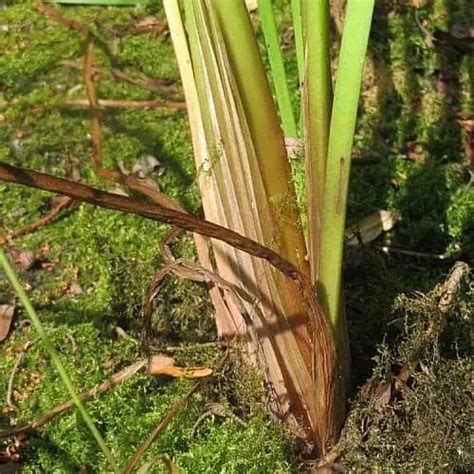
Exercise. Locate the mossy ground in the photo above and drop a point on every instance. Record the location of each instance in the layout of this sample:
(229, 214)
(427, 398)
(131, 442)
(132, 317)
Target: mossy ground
(113, 256)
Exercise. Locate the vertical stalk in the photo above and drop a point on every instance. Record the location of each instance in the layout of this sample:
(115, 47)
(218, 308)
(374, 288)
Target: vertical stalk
(56, 360)
(298, 31)
(343, 120)
(277, 67)
(265, 129)
(317, 105)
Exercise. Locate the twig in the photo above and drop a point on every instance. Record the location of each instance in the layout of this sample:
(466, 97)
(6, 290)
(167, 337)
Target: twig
(412, 253)
(194, 272)
(54, 15)
(53, 214)
(451, 286)
(92, 101)
(11, 379)
(154, 84)
(142, 186)
(154, 212)
(178, 405)
(155, 104)
(111, 382)
(196, 346)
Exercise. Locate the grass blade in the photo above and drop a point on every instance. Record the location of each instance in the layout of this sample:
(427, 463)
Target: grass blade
(277, 67)
(8, 269)
(343, 120)
(298, 31)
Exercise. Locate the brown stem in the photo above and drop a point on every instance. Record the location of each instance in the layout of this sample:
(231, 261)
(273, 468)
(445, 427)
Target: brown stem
(149, 211)
(154, 84)
(55, 16)
(116, 379)
(53, 214)
(157, 104)
(169, 417)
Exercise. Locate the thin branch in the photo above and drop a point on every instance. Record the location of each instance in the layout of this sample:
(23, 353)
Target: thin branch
(154, 212)
(111, 382)
(55, 16)
(152, 104)
(175, 409)
(92, 102)
(11, 379)
(53, 214)
(154, 84)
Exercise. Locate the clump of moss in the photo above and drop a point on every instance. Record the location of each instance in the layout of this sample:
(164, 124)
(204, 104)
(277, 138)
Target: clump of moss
(424, 420)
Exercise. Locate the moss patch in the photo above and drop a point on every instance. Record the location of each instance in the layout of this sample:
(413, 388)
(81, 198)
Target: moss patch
(407, 126)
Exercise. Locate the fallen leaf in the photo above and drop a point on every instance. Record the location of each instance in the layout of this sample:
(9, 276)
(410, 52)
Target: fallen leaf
(23, 259)
(164, 365)
(121, 333)
(383, 395)
(371, 227)
(146, 165)
(416, 157)
(71, 289)
(6, 316)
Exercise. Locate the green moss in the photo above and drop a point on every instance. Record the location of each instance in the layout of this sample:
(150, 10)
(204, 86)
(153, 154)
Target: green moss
(113, 256)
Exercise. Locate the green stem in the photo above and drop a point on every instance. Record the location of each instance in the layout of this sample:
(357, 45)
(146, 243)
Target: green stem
(56, 360)
(277, 67)
(343, 120)
(317, 104)
(298, 31)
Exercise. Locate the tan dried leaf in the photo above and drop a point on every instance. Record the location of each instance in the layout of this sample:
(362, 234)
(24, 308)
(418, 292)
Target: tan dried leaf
(383, 395)
(23, 259)
(164, 365)
(6, 316)
(370, 227)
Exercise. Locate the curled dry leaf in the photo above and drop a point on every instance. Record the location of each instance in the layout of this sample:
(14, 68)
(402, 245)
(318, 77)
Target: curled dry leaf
(370, 227)
(164, 365)
(147, 165)
(6, 316)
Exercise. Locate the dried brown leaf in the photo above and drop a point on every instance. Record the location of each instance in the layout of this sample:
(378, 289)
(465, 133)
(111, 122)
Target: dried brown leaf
(6, 316)
(23, 259)
(164, 365)
(383, 395)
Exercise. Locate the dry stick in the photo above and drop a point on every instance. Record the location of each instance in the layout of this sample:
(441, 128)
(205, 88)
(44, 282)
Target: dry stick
(92, 101)
(11, 379)
(169, 417)
(154, 212)
(52, 215)
(156, 104)
(412, 253)
(150, 83)
(111, 382)
(142, 186)
(54, 15)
